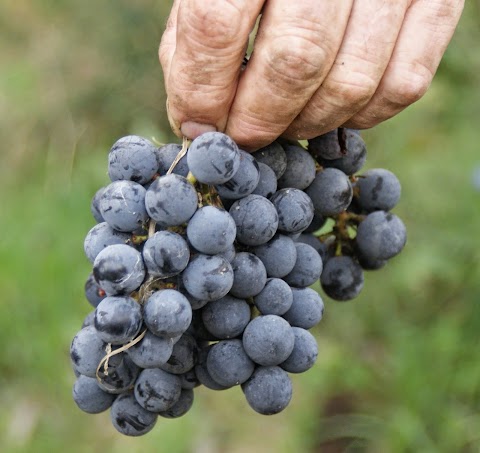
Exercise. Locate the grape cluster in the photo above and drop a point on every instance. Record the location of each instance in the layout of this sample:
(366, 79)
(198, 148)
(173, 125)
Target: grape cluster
(202, 261)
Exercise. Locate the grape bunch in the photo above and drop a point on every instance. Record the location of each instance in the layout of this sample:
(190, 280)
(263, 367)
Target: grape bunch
(203, 256)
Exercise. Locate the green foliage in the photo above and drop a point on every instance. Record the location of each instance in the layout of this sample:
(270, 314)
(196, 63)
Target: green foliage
(398, 369)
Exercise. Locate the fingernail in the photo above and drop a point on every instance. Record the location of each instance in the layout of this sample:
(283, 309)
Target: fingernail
(192, 130)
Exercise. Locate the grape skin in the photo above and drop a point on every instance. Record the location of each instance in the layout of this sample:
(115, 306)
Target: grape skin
(306, 310)
(278, 255)
(211, 230)
(256, 219)
(118, 319)
(381, 236)
(213, 158)
(129, 418)
(342, 278)
(123, 205)
(295, 210)
(228, 364)
(274, 156)
(208, 277)
(171, 200)
(379, 189)
(269, 390)
(226, 317)
(100, 236)
(268, 340)
(331, 192)
(132, 158)
(300, 171)
(304, 354)
(119, 269)
(89, 397)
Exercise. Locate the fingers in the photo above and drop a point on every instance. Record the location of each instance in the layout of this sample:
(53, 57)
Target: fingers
(367, 46)
(203, 69)
(165, 54)
(294, 50)
(425, 34)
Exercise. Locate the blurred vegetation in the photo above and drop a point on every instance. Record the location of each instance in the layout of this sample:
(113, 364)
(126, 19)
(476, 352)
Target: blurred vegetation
(399, 368)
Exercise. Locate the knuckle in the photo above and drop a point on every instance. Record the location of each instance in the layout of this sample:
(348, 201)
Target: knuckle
(353, 92)
(295, 59)
(408, 84)
(216, 24)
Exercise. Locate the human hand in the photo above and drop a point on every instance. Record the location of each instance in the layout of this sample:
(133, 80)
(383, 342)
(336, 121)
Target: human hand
(316, 64)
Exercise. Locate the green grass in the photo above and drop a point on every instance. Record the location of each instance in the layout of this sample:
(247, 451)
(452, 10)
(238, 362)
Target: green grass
(398, 369)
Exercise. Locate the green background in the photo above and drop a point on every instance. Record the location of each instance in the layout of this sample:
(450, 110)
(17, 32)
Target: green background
(398, 369)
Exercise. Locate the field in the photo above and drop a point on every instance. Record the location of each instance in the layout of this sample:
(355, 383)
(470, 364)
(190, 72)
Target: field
(398, 369)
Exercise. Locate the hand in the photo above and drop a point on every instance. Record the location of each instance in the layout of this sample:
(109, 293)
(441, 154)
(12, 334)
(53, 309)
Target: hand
(316, 64)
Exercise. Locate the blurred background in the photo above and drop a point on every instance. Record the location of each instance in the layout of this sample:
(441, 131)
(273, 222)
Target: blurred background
(398, 369)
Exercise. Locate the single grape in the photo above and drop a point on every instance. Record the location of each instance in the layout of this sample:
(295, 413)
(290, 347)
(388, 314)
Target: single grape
(267, 184)
(211, 230)
(119, 269)
(93, 292)
(167, 312)
(189, 380)
(354, 158)
(165, 254)
(274, 156)
(166, 154)
(152, 351)
(317, 222)
(228, 364)
(89, 319)
(95, 205)
(342, 278)
(184, 355)
(300, 171)
(256, 219)
(181, 407)
(120, 376)
(335, 144)
(268, 340)
(156, 390)
(129, 418)
(208, 277)
(249, 275)
(226, 317)
(87, 350)
(100, 236)
(171, 200)
(308, 267)
(306, 310)
(278, 255)
(243, 182)
(275, 298)
(379, 190)
(89, 397)
(295, 210)
(269, 390)
(123, 205)
(304, 354)
(331, 192)
(381, 236)
(213, 158)
(132, 158)
(202, 373)
(118, 319)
